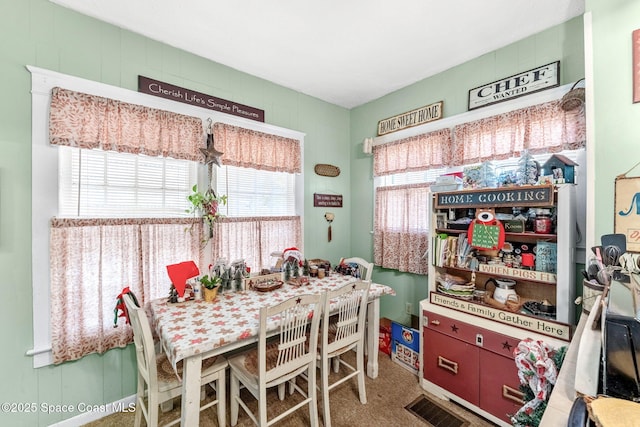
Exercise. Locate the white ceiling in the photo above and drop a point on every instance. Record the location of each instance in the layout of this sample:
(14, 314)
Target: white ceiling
(346, 52)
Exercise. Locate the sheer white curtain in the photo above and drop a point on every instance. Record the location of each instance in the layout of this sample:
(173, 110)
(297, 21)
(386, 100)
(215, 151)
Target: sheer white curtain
(401, 232)
(92, 260)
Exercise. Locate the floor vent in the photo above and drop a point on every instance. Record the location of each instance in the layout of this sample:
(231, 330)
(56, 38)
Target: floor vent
(434, 414)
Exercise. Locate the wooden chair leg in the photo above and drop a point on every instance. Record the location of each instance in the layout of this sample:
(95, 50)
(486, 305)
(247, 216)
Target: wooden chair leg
(234, 394)
(220, 395)
(360, 366)
(324, 386)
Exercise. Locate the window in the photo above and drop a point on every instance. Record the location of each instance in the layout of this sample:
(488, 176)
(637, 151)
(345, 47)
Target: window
(80, 196)
(405, 167)
(108, 184)
(253, 192)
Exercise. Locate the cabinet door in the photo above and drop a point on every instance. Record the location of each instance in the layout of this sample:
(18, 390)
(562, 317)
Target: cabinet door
(451, 364)
(499, 385)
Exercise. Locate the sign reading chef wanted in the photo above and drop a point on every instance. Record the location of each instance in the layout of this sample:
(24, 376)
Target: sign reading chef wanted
(544, 77)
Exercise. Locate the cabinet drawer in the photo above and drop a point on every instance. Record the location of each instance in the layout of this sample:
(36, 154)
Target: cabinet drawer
(499, 386)
(451, 364)
(500, 344)
(451, 327)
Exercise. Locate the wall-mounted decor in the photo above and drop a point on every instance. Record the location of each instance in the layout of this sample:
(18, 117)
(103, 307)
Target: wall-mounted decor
(327, 200)
(537, 79)
(326, 170)
(416, 117)
(627, 209)
(191, 97)
(636, 65)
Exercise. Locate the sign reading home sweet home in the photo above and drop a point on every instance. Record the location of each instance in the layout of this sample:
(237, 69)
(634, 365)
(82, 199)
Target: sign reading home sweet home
(191, 97)
(544, 77)
(416, 117)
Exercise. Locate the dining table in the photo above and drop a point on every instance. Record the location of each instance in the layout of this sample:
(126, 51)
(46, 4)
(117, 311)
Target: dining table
(194, 330)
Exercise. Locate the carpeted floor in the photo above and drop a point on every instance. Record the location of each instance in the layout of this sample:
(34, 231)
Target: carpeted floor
(387, 397)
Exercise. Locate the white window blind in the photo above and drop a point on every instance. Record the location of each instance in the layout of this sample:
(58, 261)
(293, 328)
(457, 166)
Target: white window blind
(252, 192)
(107, 184)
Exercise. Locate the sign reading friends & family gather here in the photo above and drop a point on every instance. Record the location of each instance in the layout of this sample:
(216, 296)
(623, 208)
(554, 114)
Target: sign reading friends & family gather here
(544, 77)
(191, 97)
(534, 324)
(416, 117)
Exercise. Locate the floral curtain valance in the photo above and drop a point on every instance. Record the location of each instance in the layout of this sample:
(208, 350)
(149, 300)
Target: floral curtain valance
(87, 121)
(542, 128)
(252, 149)
(418, 152)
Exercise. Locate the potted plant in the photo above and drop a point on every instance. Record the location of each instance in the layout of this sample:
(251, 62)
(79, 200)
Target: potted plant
(210, 285)
(206, 206)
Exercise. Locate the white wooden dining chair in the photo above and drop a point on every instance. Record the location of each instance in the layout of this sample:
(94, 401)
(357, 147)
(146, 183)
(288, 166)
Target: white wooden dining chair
(365, 267)
(278, 360)
(343, 331)
(157, 380)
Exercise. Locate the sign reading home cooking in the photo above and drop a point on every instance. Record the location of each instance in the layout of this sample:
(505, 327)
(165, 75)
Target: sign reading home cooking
(544, 77)
(533, 195)
(416, 117)
(191, 97)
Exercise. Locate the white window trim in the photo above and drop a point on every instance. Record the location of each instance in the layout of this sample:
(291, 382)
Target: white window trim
(44, 175)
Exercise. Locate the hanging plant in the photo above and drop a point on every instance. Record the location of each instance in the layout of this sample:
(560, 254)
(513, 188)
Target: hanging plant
(205, 205)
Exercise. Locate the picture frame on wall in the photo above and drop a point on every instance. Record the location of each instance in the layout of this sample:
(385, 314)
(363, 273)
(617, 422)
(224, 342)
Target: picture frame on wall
(627, 210)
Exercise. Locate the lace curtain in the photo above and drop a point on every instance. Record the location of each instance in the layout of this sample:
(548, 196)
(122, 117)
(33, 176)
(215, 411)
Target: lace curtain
(87, 121)
(92, 260)
(252, 149)
(400, 226)
(255, 238)
(418, 152)
(542, 128)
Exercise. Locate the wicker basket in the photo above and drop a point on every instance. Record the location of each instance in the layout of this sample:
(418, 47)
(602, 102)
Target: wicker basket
(573, 99)
(327, 170)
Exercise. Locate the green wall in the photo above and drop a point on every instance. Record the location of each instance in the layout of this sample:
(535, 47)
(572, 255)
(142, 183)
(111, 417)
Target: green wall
(564, 42)
(36, 32)
(617, 119)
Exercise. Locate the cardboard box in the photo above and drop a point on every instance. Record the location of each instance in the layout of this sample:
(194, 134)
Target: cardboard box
(384, 336)
(405, 347)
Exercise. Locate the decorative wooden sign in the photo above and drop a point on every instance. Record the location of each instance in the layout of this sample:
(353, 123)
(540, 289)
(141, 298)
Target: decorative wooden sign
(416, 117)
(544, 77)
(542, 326)
(531, 195)
(627, 210)
(191, 97)
(327, 200)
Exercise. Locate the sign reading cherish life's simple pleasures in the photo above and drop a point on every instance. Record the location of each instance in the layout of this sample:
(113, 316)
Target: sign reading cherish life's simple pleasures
(416, 117)
(531, 195)
(537, 79)
(191, 97)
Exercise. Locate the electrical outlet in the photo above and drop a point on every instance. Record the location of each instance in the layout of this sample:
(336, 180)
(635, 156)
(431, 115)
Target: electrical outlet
(408, 308)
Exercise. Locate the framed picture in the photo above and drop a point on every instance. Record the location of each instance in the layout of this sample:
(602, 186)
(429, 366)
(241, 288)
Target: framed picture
(627, 211)
(636, 65)
(441, 220)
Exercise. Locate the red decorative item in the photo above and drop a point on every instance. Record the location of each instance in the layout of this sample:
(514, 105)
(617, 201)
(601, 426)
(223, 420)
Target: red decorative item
(180, 273)
(486, 232)
(121, 308)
